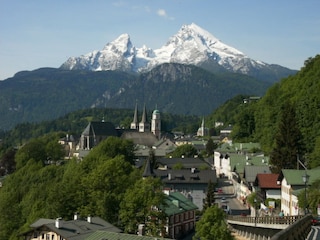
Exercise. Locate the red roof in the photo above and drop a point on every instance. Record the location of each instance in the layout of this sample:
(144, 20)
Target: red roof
(268, 180)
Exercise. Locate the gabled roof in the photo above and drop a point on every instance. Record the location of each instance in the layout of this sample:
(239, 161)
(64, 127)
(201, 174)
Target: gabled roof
(250, 172)
(268, 181)
(178, 203)
(141, 138)
(187, 163)
(186, 176)
(294, 177)
(100, 129)
(74, 229)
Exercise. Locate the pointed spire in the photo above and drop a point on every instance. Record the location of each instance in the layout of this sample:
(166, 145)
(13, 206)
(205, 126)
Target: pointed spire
(135, 116)
(202, 124)
(148, 170)
(144, 115)
(134, 124)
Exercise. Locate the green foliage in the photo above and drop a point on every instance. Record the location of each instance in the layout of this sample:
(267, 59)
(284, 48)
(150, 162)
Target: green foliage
(209, 200)
(104, 188)
(288, 141)
(314, 157)
(7, 162)
(110, 148)
(212, 225)
(139, 202)
(74, 123)
(244, 127)
(36, 190)
(313, 197)
(227, 112)
(211, 146)
(186, 150)
(253, 200)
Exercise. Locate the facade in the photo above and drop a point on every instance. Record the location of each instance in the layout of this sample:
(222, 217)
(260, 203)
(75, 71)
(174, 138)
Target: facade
(292, 185)
(181, 214)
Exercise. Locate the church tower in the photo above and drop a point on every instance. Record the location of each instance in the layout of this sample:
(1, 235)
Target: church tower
(202, 131)
(156, 123)
(144, 125)
(135, 124)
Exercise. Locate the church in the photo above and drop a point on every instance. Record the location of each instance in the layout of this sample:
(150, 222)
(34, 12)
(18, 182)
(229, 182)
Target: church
(143, 132)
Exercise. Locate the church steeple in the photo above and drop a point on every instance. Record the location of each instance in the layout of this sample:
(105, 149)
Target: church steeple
(134, 124)
(144, 125)
(156, 123)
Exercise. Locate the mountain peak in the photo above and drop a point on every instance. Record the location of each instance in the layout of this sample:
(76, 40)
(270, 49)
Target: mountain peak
(190, 45)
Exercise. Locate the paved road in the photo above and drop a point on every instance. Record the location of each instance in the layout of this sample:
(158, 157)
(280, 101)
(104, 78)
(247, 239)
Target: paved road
(235, 206)
(314, 233)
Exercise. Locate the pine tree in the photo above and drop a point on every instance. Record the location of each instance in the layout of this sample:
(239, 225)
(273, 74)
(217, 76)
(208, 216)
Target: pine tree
(209, 200)
(288, 141)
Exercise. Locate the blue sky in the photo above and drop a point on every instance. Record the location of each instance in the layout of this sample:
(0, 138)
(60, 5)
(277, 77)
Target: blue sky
(44, 33)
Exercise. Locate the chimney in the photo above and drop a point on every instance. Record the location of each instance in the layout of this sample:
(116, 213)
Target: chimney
(169, 176)
(141, 230)
(75, 216)
(89, 219)
(58, 223)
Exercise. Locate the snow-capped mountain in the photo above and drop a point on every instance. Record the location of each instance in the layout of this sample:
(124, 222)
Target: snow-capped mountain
(191, 45)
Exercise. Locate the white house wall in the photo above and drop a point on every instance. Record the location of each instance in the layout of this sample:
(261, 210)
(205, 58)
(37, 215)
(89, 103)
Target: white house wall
(273, 193)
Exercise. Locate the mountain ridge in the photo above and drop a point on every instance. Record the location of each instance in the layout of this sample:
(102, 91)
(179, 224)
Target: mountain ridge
(192, 45)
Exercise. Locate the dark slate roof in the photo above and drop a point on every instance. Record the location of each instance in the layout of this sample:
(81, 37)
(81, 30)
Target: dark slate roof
(140, 138)
(100, 129)
(75, 229)
(186, 176)
(178, 203)
(187, 163)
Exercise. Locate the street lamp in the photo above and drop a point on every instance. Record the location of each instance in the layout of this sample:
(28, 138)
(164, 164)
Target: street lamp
(305, 179)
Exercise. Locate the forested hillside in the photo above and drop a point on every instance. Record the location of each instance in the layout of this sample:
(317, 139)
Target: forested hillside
(48, 93)
(294, 102)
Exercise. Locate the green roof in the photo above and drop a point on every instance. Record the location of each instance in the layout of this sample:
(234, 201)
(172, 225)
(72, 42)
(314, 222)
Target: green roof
(98, 235)
(234, 147)
(294, 177)
(178, 203)
(240, 161)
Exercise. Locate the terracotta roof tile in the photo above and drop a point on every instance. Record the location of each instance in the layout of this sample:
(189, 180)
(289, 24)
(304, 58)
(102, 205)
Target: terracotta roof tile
(268, 180)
